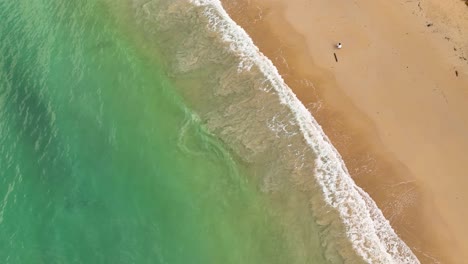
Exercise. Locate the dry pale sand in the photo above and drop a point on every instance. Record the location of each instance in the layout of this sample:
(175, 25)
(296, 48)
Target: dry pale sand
(395, 105)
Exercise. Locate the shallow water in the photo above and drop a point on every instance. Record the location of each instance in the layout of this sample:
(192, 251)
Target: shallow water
(242, 99)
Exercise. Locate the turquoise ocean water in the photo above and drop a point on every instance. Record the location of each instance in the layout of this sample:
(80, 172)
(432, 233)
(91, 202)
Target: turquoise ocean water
(130, 134)
(101, 161)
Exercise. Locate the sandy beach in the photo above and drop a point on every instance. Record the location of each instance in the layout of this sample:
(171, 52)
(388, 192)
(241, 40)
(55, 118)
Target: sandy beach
(393, 101)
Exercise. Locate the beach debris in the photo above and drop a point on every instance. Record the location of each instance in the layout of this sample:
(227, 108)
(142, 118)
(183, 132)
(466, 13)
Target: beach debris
(336, 58)
(429, 24)
(339, 45)
(456, 73)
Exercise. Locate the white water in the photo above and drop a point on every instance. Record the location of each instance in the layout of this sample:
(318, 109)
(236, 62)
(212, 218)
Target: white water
(363, 224)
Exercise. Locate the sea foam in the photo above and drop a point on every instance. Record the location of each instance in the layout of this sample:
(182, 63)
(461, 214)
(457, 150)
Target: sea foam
(371, 235)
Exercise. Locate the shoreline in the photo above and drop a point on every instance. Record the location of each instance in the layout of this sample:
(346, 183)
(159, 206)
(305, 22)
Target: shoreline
(393, 181)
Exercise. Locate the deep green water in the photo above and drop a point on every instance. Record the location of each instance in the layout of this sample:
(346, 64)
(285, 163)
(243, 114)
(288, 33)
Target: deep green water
(100, 159)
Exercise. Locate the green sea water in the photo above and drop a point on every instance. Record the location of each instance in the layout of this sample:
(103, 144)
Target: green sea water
(103, 161)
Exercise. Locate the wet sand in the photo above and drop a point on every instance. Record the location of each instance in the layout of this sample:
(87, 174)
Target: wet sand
(394, 104)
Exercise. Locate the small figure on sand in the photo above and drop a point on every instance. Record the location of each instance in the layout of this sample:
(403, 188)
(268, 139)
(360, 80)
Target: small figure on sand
(338, 46)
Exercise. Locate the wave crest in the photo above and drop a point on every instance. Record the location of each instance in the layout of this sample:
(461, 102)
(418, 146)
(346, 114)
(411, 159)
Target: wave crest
(242, 99)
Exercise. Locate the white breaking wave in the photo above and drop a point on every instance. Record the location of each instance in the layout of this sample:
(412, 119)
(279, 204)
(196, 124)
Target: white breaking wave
(369, 232)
